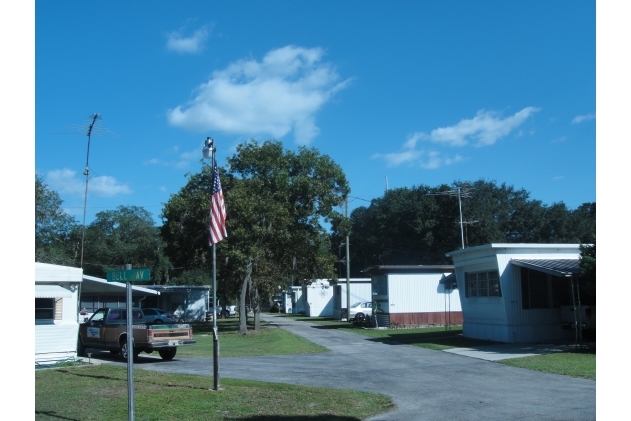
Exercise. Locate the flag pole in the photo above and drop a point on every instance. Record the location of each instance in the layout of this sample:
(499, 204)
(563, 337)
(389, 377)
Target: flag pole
(209, 146)
(215, 333)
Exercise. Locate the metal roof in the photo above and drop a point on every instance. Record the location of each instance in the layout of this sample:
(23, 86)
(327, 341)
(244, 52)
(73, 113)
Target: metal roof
(51, 291)
(409, 269)
(555, 267)
(509, 246)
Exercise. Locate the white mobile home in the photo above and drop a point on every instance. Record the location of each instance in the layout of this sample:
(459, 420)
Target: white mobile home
(415, 295)
(188, 302)
(297, 302)
(514, 292)
(360, 291)
(56, 301)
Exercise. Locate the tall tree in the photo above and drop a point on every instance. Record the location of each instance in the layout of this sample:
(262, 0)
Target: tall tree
(283, 197)
(56, 233)
(276, 201)
(127, 235)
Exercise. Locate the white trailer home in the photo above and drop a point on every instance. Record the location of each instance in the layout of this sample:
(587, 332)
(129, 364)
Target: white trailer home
(415, 295)
(360, 291)
(297, 301)
(514, 292)
(56, 311)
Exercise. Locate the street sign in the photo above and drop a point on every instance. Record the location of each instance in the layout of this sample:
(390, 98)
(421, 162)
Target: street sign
(130, 275)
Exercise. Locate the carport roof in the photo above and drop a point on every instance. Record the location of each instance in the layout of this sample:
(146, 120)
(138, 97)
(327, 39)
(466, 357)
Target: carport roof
(555, 267)
(96, 285)
(380, 269)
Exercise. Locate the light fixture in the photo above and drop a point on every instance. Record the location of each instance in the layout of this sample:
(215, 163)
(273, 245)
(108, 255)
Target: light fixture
(208, 148)
(73, 287)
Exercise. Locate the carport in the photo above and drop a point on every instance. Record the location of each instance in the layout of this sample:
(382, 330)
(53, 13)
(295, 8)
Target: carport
(97, 292)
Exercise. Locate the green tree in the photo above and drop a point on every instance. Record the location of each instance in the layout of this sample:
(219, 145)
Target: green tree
(282, 198)
(127, 235)
(57, 234)
(276, 202)
(419, 225)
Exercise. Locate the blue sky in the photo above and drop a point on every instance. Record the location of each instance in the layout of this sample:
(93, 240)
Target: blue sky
(412, 92)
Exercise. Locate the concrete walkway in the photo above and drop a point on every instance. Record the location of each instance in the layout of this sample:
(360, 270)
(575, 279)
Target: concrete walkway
(424, 384)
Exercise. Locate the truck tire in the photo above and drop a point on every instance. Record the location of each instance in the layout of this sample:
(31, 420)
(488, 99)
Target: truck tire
(123, 350)
(225, 314)
(80, 347)
(167, 353)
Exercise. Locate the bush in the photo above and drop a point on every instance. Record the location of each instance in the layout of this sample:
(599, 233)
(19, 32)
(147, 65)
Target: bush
(274, 309)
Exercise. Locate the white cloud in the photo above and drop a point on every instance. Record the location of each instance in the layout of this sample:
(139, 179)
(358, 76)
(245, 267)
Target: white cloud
(486, 127)
(559, 139)
(182, 44)
(184, 160)
(580, 118)
(274, 96)
(67, 182)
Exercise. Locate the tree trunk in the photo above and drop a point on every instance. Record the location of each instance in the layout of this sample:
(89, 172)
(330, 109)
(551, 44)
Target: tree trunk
(243, 312)
(257, 309)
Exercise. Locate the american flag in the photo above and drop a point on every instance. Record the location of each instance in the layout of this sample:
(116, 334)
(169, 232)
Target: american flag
(217, 218)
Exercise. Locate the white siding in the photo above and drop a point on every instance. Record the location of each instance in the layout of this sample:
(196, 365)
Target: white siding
(420, 293)
(56, 340)
(360, 292)
(502, 318)
(318, 299)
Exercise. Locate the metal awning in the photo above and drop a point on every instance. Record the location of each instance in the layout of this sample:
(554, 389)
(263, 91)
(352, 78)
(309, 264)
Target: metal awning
(448, 279)
(554, 267)
(51, 291)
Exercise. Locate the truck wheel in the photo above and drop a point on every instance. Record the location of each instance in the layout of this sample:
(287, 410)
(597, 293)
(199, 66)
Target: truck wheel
(167, 353)
(225, 314)
(124, 352)
(80, 347)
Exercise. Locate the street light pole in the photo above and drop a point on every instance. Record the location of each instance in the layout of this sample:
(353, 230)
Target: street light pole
(209, 152)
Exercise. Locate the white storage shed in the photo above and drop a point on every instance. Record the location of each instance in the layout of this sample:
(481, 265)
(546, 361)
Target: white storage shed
(415, 295)
(514, 292)
(56, 309)
(318, 298)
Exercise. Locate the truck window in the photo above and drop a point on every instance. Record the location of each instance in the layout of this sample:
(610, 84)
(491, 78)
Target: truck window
(98, 316)
(115, 316)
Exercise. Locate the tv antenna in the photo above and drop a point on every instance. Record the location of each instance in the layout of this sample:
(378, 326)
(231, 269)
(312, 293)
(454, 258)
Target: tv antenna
(86, 172)
(461, 193)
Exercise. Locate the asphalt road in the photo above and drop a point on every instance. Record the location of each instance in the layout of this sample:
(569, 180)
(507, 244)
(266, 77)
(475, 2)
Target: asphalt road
(424, 384)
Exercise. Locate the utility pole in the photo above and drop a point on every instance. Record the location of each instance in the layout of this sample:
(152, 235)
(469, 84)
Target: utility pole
(348, 275)
(461, 193)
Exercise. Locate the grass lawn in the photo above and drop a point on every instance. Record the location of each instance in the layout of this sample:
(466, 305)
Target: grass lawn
(579, 363)
(436, 338)
(100, 393)
(266, 341)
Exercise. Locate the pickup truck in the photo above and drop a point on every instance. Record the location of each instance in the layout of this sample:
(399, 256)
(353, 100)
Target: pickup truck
(107, 329)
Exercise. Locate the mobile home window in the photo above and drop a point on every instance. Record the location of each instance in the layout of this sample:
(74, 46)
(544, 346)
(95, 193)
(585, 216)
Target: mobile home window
(379, 286)
(45, 308)
(482, 284)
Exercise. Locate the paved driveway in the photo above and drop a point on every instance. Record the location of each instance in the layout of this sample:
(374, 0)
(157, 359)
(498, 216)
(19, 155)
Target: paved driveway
(424, 384)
